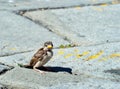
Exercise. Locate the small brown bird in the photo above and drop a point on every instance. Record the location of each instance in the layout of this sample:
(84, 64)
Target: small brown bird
(41, 57)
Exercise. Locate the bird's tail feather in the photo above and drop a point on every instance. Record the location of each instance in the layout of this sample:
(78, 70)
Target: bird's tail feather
(25, 66)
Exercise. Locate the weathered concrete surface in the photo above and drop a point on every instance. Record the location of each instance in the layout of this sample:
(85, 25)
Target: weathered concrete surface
(16, 59)
(4, 68)
(90, 84)
(32, 80)
(27, 79)
(3, 87)
(20, 35)
(95, 67)
(83, 26)
(35, 4)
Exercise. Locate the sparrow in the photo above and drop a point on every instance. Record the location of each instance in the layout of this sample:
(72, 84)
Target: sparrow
(41, 57)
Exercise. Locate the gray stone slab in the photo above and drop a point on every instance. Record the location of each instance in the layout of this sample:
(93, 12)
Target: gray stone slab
(82, 25)
(91, 66)
(27, 79)
(90, 84)
(4, 68)
(14, 60)
(3, 87)
(21, 78)
(35, 4)
(20, 35)
(100, 60)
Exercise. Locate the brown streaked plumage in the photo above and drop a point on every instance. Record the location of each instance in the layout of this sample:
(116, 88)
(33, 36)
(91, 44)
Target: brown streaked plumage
(41, 57)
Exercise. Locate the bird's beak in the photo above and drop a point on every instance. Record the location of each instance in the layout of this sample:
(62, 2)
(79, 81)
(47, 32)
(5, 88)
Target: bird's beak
(49, 46)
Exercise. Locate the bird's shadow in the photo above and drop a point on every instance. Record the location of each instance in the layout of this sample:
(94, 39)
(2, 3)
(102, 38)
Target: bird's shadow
(113, 71)
(56, 69)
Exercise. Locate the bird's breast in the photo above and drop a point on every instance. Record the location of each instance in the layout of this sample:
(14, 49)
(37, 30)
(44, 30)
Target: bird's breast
(46, 58)
(49, 54)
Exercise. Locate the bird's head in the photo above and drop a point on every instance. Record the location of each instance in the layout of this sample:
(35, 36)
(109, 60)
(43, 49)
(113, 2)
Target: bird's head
(48, 45)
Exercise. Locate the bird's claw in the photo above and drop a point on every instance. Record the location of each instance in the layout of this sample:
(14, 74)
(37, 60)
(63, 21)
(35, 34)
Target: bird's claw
(42, 72)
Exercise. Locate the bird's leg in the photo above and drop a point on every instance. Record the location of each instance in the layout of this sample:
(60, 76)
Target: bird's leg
(41, 72)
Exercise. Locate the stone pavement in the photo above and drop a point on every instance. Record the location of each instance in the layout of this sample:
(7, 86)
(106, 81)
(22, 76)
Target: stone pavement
(86, 39)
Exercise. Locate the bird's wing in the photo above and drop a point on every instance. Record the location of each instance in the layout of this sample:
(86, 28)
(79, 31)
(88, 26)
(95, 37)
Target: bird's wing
(38, 56)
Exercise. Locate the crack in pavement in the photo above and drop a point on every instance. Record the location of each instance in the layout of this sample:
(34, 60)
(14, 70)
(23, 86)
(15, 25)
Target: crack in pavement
(52, 29)
(65, 37)
(102, 43)
(49, 29)
(22, 11)
(64, 34)
(113, 78)
(3, 86)
(46, 26)
(5, 70)
(10, 54)
(3, 47)
(57, 29)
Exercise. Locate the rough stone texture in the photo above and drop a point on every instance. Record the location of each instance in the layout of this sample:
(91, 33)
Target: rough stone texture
(100, 71)
(98, 61)
(3, 87)
(20, 35)
(16, 59)
(28, 79)
(35, 4)
(4, 68)
(90, 84)
(84, 26)
(94, 26)
(32, 80)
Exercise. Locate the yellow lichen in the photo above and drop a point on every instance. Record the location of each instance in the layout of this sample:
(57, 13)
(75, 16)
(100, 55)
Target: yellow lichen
(76, 50)
(114, 2)
(78, 7)
(98, 9)
(60, 52)
(104, 4)
(68, 55)
(85, 53)
(78, 55)
(110, 56)
(114, 55)
(95, 56)
(13, 49)
(104, 59)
